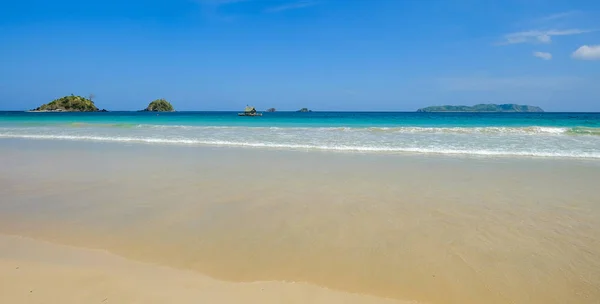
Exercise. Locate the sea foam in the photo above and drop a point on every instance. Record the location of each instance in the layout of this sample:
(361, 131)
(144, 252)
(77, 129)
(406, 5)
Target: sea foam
(534, 141)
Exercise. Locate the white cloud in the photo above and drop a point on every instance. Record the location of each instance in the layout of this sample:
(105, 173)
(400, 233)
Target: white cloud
(290, 6)
(543, 55)
(587, 52)
(538, 36)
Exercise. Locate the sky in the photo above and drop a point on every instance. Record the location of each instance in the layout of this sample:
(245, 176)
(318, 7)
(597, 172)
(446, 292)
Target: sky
(346, 55)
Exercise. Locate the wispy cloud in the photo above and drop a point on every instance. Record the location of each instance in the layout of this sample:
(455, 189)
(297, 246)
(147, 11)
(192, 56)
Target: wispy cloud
(557, 16)
(290, 6)
(587, 52)
(508, 83)
(558, 19)
(212, 9)
(220, 2)
(543, 55)
(539, 36)
(545, 29)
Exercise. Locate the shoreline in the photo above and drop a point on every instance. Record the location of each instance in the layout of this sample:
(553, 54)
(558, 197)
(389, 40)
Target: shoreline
(387, 226)
(177, 143)
(35, 271)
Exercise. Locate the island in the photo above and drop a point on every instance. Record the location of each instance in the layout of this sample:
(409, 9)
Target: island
(70, 103)
(483, 108)
(271, 110)
(304, 110)
(250, 111)
(159, 105)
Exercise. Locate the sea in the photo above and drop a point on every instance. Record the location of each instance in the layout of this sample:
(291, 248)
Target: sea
(550, 135)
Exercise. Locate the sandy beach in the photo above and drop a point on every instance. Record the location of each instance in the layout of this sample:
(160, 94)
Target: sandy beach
(39, 272)
(220, 223)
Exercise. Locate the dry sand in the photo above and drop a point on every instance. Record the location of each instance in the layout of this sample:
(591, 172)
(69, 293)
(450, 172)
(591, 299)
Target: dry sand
(33, 271)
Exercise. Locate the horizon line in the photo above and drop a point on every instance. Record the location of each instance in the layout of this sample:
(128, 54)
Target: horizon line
(296, 111)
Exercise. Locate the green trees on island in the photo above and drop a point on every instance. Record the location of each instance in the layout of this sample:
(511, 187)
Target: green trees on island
(159, 105)
(483, 108)
(70, 103)
(74, 103)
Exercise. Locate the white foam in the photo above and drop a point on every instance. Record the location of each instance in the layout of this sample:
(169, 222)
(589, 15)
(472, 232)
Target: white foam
(533, 130)
(504, 150)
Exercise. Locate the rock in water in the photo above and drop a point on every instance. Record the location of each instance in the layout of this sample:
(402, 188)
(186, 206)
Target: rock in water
(159, 105)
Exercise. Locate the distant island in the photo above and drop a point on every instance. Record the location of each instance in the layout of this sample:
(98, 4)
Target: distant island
(483, 108)
(271, 110)
(250, 111)
(70, 103)
(159, 105)
(304, 110)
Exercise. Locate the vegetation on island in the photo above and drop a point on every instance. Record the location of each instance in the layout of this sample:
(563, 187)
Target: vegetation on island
(250, 111)
(304, 110)
(70, 103)
(159, 105)
(483, 108)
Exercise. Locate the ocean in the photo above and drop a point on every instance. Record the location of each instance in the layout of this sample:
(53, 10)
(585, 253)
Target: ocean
(554, 135)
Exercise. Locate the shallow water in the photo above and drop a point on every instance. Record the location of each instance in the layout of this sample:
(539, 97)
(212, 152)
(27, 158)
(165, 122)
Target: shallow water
(551, 135)
(431, 229)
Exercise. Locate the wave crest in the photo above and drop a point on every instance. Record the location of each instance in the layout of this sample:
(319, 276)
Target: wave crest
(530, 130)
(312, 146)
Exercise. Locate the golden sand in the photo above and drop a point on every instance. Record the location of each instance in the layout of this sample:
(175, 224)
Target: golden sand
(38, 272)
(426, 229)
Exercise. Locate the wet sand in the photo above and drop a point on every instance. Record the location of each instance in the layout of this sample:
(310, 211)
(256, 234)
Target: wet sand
(38, 272)
(428, 229)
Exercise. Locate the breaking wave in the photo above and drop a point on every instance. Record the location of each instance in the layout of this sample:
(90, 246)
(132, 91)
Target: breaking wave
(530, 130)
(435, 146)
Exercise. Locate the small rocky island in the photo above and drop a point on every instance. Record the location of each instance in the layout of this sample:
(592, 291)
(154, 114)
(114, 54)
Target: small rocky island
(159, 105)
(304, 110)
(250, 111)
(70, 103)
(511, 108)
(271, 110)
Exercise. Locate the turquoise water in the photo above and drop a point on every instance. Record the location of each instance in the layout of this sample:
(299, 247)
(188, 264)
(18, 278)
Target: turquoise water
(313, 119)
(563, 135)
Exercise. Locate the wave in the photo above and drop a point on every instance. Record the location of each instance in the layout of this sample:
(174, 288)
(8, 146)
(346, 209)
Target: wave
(499, 130)
(529, 130)
(330, 147)
(102, 125)
(534, 130)
(584, 131)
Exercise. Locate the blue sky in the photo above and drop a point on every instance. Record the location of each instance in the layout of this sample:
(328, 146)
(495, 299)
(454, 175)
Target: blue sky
(390, 55)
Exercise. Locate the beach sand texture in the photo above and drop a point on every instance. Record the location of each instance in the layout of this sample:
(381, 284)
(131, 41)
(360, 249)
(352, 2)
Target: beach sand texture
(38, 272)
(353, 228)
